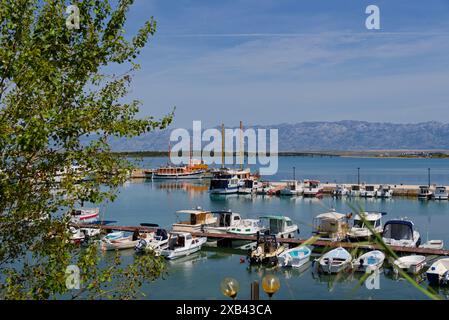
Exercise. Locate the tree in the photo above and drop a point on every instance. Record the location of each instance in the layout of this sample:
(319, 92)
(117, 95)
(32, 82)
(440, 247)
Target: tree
(59, 106)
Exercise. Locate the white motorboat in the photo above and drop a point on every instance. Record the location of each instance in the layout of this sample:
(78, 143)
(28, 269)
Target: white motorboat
(154, 242)
(413, 264)
(295, 257)
(119, 241)
(248, 227)
(360, 230)
(227, 181)
(331, 226)
(384, 192)
(78, 235)
(438, 273)
(84, 216)
(369, 191)
(250, 186)
(433, 244)
(312, 188)
(198, 219)
(340, 191)
(292, 188)
(369, 261)
(355, 191)
(335, 261)
(425, 193)
(181, 244)
(225, 220)
(280, 226)
(402, 233)
(440, 193)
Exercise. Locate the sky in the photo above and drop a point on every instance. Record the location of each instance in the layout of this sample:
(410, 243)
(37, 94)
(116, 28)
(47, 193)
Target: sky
(286, 61)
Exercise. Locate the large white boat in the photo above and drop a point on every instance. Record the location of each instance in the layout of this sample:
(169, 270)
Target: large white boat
(312, 188)
(250, 186)
(225, 220)
(402, 233)
(440, 193)
(181, 244)
(331, 226)
(84, 216)
(248, 227)
(355, 191)
(280, 226)
(360, 229)
(227, 181)
(292, 188)
(369, 191)
(424, 193)
(198, 219)
(384, 191)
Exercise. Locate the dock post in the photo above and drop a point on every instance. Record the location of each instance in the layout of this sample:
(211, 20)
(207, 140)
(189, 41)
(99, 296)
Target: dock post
(255, 290)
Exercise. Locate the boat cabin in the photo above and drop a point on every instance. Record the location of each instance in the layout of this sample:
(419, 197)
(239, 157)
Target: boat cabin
(277, 224)
(179, 240)
(197, 219)
(401, 232)
(226, 218)
(331, 226)
(355, 187)
(369, 188)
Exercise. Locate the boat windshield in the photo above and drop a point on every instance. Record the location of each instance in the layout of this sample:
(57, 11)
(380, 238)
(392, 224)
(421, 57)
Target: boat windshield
(398, 231)
(219, 184)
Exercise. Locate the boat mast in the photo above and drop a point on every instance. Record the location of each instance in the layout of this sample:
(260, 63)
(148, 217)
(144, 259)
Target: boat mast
(222, 146)
(169, 153)
(241, 146)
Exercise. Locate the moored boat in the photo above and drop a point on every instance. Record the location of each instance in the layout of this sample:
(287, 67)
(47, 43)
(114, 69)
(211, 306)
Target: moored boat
(438, 273)
(280, 226)
(84, 216)
(424, 193)
(440, 193)
(369, 191)
(413, 264)
(181, 244)
(331, 226)
(154, 242)
(248, 227)
(312, 188)
(194, 170)
(198, 219)
(267, 250)
(362, 224)
(355, 191)
(335, 261)
(292, 188)
(384, 192)
(401, 232)
(370, 261)
(295, 257)
(340, 191)
(225, 220)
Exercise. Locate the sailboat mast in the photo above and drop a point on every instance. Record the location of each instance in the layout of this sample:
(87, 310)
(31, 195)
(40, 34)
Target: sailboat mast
(222, 146)
(241, 146)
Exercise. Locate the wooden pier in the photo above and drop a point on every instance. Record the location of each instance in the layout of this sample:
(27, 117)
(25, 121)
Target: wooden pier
(289, 241)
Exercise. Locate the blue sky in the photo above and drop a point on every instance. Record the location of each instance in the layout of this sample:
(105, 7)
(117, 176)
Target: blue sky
(276, 61)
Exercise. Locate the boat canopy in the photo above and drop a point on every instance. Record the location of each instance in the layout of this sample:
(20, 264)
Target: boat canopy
(370, 216)
(398, 230)
(330, 216)
(194, 212)
(273, 217)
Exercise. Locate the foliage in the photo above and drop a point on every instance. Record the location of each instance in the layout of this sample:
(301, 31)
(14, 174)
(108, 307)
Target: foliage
(54, 92)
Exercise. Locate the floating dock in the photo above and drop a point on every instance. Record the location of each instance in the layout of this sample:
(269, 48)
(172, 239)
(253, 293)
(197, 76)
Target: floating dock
(289, 241)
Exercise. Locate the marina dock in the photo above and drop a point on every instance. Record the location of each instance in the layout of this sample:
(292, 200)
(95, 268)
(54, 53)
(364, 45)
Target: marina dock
(289, 241)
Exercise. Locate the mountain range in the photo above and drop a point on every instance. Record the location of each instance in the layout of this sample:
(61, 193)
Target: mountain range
(340, 135)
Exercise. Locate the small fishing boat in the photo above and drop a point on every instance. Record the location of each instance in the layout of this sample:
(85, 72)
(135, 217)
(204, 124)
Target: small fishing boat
(181, 244)
(312, 188)
(331, 226)
(401, 232)
(335, 261)
(84, 216)
(440, 193)
(292, 188)
(119, 241)
(424, 193)
(154, 242)
(413, 264)
(340, 191)
(369, 261)
(368, 192)
(433, 244)
(384, 192)
(360, 230)
(355, 191)
(267, 250)
(225, 220)
(248, 227)
(295, 257)
(280, 226)
(78, 235)
(198, 219)
(438, 273)
(265, 189)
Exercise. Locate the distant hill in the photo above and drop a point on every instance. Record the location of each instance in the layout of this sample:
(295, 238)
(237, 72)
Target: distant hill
(342, 135)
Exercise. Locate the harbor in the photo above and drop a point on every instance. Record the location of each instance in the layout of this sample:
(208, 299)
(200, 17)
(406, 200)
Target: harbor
(157, 201)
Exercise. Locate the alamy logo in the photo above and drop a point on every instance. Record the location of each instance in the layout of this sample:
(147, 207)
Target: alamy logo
(72, 280)
(223, 147)
(373, 280)
(73, 20)
(373, 20)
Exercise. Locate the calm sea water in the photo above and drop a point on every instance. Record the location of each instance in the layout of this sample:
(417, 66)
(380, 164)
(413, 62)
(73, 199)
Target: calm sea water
(198, 276)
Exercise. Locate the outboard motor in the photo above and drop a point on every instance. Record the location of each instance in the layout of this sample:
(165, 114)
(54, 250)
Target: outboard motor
(141, 245)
